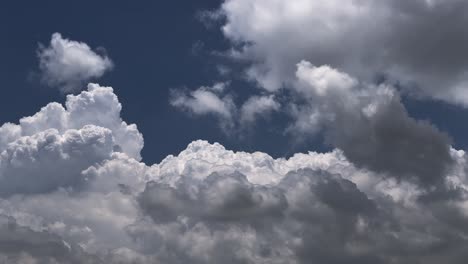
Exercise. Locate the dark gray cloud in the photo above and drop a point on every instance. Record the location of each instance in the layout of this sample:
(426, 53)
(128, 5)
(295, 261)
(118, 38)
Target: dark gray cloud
(370, 125)
(19, 244)
(321, 218)
(391, 141)
(230, 198)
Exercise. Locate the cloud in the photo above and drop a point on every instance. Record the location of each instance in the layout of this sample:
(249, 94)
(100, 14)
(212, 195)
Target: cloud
(218, 101)
(97, 106)
(329, 212)
(366, 121)
(204, 100)
(257, 106)
(326, 75)
(20, 244)
(370, 124)
(74, 191)
(419, 45)
(55, 160)
(68, 64)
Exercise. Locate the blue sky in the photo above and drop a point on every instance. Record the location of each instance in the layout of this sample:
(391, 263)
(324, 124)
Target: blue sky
(165, 45)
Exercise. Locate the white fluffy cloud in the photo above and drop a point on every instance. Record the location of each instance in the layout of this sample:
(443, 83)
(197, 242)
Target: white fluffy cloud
(68, 64)
(97, 106)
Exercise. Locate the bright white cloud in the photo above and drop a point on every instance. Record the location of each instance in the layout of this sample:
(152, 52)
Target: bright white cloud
(97, 106)
(68, 64)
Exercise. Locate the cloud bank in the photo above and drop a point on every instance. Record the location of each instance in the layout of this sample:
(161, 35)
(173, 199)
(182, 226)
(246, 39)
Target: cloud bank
(73, 191)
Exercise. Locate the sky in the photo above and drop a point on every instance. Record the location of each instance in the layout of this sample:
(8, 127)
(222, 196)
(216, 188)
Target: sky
(234, 131)
(166, 45)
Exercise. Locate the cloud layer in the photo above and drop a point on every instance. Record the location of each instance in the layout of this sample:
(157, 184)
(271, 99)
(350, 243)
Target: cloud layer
(68, 64)
(73, 191)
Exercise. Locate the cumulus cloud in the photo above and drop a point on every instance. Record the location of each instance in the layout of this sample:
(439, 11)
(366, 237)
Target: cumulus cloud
(55, 160)
(419, 44)
(68, 64)
(370, 124)
(97, 106)
(94, 202)
(319, 208)
(67, 176)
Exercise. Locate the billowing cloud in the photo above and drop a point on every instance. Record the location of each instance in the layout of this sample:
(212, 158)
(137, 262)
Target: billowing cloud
(371, 125)
(97, 106)
(68, 64)
(73, 191)
(210, 205)
(310, 208)
(55, 160)
(419, 44)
